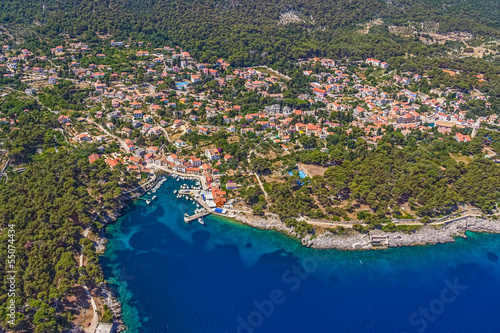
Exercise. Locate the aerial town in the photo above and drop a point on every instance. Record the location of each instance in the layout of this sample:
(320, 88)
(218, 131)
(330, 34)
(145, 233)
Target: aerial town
(158, 109)
(188, 165)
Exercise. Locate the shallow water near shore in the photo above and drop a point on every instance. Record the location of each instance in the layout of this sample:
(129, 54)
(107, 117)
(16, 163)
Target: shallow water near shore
(228, 277)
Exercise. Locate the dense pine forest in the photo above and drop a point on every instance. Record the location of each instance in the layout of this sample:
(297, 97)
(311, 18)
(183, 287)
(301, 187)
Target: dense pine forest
(248, 32)
(49, 204)
(60, 193)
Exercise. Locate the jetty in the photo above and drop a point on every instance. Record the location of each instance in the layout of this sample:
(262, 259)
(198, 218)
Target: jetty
(196, 216)
(195, 195)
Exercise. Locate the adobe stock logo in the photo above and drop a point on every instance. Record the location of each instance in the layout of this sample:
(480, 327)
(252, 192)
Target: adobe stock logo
(420, 319)
(292, 279)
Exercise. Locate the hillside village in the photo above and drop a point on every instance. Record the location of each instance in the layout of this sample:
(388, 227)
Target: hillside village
(159, 156)
(147, 109)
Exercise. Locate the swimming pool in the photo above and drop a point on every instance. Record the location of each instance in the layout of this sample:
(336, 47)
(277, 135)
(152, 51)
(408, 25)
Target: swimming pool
(301, 174)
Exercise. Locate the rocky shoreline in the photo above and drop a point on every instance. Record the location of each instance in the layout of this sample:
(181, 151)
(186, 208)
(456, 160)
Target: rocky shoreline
(377, 239)
(326, 239)
(111, 216)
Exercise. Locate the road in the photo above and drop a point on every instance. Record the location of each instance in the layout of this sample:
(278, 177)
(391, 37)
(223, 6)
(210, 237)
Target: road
(152, 166)
(318, 223)
(95, 318)
(164, 131)
(273, 72)
(477, 125)
(122, 143)
(38, 100)
(254, 173)
(262, 187)
(162, 128)
(2, 173)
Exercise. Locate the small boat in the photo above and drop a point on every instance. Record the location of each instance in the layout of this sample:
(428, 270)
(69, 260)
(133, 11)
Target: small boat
(148, 201)
(197, 205)
(149, 192)
(177, 179)
(175, 191)
(154, 197)
(201, 221)
(186, 220)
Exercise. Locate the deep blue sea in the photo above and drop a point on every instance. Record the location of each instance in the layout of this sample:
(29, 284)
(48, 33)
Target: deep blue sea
(228, 277)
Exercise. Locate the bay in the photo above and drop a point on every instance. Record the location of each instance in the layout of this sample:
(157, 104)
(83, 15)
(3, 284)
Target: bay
(227, 277)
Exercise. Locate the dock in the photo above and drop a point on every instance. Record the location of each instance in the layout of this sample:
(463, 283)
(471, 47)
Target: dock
(192, 193)
(196, 216)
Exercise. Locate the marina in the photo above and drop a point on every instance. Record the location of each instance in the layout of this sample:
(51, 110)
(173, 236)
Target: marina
(153, 190)
(191, 193)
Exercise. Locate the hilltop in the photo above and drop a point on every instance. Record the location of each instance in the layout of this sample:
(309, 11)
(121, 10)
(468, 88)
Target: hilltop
(258, 31)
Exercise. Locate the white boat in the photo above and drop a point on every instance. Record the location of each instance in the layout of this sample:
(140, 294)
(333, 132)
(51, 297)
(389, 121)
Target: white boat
(154, 197)
(177, 179)
(197, 205)
(175, 191)
(148, 201)
(201, 221)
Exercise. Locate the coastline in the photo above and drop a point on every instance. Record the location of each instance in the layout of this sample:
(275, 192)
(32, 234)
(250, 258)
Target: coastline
(350, 240)
(105, 291)
(323, 239)
(255, 246)
(377, 239)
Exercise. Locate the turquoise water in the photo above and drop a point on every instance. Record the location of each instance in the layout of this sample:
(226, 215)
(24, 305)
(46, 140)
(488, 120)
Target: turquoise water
(228, 277)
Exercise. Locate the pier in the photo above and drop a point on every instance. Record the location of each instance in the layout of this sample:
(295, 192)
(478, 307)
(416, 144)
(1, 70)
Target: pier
(196, 216)
(193, 193)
